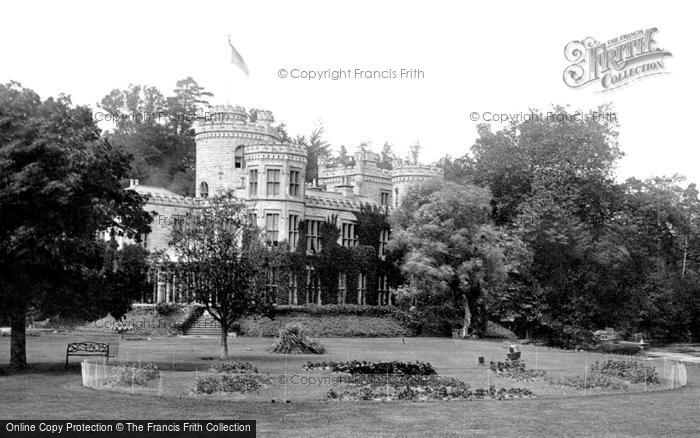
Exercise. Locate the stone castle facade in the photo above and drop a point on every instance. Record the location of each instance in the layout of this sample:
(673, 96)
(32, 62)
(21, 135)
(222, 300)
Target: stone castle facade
(247, 156)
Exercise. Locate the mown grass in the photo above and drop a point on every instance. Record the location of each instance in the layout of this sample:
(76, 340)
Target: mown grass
(48, 391)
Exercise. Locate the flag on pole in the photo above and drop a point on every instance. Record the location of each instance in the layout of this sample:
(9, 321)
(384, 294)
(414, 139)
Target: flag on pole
(237, 59)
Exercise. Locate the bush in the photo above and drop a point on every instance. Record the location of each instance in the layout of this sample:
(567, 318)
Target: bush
(208, 384)
(234, 367)
(377, 368)
(437, 320)
(228, 383)
(136, 373)
(497, 331)
(617, 348)
(602, 381)
(243, 382)
(167, 309)
(420, 389)
(516, 369)
(635, 372)
(325, 326)
(293, 340)
(403, 319)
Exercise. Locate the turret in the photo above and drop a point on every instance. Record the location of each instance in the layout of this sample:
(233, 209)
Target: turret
(222, 135)
(405, 176)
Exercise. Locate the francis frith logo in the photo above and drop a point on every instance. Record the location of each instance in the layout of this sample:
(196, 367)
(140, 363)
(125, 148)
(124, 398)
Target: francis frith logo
(615, 63)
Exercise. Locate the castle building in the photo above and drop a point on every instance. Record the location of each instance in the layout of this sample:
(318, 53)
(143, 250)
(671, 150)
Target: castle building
(236, 152)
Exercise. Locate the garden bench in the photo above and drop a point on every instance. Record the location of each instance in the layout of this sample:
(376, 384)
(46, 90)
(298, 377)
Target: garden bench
(89, 349)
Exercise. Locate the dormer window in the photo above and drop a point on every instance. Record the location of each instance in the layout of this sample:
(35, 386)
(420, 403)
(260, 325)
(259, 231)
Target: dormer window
(239, 162)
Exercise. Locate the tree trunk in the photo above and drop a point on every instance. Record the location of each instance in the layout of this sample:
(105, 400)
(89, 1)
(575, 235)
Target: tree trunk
(467, 318)
(223, 354)
(18, 340)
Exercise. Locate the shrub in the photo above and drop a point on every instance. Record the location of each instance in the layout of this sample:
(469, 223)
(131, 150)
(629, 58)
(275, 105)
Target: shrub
(208, 385)
(617, 348)
(437, 320)
(593, 380)
(405, 319)
(516, 369)
(635, 372)
(234, 367)
(325, 326)
(228, 383)
(420, 388)
(167, 309)
(495, 330)
(377, 368)
(293, 340)
(136, 373)
(243, 382)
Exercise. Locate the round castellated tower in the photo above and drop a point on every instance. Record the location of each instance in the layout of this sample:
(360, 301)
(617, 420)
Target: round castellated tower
(405, 176)
(222, 137)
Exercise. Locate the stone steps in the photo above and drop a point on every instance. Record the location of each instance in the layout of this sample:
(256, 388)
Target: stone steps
(206, 325)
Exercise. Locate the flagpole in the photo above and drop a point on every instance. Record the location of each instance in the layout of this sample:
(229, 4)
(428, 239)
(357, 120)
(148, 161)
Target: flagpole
(228, 78)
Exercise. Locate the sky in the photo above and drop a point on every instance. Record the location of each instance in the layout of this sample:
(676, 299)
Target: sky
(486, 57)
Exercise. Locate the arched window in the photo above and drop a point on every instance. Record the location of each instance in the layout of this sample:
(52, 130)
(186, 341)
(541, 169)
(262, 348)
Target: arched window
(204, 189)
(239, 162)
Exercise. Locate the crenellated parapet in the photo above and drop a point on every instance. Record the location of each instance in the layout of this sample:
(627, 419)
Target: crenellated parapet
(227, 121)
(416, 172)
(274, 152)
(405, 176)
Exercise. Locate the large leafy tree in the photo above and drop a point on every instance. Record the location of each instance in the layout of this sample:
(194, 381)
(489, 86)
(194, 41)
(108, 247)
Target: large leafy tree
(60, 185)
(451, 253)
(220, 258)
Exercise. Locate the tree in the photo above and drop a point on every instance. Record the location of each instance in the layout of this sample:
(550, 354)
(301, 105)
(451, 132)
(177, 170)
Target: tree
(414, 153)
(184, 106)
(125, 277)
(316, 149)
(451, 252)
(387, 157)
(60, 185)
(220, 259)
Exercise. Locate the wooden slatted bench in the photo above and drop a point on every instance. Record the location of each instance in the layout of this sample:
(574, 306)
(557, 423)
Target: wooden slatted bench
(89, 349)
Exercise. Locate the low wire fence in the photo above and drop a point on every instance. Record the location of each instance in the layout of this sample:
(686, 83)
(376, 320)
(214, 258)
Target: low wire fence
(543, 375)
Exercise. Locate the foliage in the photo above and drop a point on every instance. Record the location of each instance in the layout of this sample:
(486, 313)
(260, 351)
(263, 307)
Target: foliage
(157, 131)
(221, 261)
(234, 367)
(516, 369)
(317, 150)
(497, 331)
(60, 186)
(133, 373)
(167, 309)
(294, 340)
(419, 388)
(380, 368)
(635, 372)
(230, 383)
(597, 381)
(447, 247)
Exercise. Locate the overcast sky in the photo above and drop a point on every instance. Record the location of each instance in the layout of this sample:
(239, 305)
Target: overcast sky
(499, 57)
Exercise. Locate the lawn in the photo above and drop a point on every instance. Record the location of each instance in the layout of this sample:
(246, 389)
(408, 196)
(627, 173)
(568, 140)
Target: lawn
(48, 391)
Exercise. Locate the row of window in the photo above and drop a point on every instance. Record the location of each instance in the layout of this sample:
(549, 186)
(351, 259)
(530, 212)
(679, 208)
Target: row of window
(313, 237)
(313, 286)
(273, 182)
